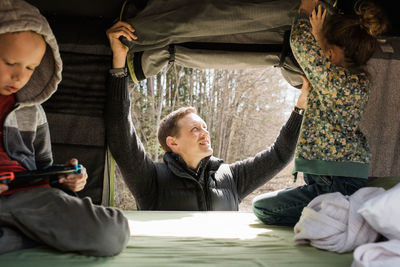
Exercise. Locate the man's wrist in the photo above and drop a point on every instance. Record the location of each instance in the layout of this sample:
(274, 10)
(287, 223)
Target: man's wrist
(119, 61)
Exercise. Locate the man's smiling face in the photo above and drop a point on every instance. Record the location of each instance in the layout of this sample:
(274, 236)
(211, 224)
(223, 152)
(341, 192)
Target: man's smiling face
(193, 140)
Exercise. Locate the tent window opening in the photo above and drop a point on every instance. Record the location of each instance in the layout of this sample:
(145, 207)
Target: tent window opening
(244, 110)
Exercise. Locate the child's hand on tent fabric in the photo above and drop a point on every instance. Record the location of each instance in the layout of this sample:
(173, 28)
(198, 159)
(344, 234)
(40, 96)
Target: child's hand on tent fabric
(317, 21)
(119, 50)
(74, 182)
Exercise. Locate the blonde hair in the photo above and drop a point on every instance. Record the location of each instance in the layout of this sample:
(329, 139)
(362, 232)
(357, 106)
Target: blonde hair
(371, 18)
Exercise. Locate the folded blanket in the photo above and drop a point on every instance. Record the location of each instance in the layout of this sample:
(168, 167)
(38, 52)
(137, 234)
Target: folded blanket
(380, 254)
(331, 222)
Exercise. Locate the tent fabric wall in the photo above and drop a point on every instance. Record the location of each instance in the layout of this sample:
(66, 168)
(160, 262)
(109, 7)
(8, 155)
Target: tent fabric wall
(154, 61)
(211, 34)
(162, 23)
(81, 8)
(76, 111)
(380, 121)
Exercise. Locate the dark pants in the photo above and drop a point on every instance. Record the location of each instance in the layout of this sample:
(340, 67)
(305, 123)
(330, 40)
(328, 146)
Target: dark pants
(50, 217)
(284, 207)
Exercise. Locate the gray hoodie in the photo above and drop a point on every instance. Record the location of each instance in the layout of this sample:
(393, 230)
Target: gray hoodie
(25, 131)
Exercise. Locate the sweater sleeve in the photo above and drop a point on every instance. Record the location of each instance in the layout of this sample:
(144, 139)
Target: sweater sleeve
(137, 168)
(253, 172)
(306, 49)
(42, 143)
(310, 57)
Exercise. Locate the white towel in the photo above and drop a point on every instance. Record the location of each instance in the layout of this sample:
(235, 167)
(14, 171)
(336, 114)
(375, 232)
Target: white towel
(382, 254)
(331, 222)
(383, 213)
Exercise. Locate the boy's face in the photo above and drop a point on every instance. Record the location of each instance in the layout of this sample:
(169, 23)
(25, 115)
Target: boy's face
(20, 54)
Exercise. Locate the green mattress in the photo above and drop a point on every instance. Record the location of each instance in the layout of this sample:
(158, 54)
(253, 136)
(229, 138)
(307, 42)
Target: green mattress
(166, 238)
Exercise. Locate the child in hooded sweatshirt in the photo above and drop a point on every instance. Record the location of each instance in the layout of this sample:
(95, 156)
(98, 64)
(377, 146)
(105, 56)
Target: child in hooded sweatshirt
(30, 70)
(332, 152)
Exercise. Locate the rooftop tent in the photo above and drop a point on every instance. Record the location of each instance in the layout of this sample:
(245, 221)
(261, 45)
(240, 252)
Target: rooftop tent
(75, 114)
(205, 34)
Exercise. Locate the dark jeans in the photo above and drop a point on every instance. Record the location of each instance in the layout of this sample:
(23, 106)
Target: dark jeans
(284, 207)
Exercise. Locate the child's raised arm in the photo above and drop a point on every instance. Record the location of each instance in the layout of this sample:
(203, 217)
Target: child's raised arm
(317, 20)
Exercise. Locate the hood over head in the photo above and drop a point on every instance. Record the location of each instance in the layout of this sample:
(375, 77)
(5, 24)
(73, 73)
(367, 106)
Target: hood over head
(18, 16)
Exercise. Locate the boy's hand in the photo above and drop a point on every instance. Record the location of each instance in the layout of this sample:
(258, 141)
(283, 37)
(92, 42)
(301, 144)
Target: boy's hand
(307, 6)
(3, 188)
(74, 182)
(305, 89)
(118, 48)
(317, 21)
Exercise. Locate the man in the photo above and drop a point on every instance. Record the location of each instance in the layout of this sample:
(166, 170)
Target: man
(190, 178)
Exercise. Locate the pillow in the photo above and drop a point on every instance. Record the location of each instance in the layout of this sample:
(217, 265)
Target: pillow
(382, 212)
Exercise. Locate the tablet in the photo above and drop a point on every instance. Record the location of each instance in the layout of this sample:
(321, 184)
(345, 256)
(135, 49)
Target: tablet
(29, 178)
